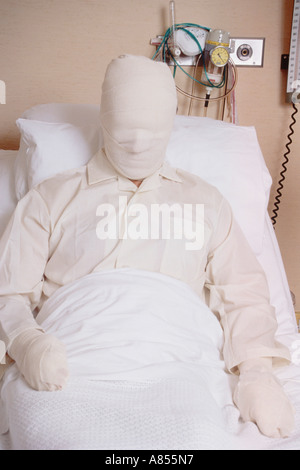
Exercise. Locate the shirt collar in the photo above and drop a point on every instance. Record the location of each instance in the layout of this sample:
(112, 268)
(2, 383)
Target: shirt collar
(99, 169)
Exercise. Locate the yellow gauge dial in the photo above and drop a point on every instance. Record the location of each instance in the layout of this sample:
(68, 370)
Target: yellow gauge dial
(219, 56)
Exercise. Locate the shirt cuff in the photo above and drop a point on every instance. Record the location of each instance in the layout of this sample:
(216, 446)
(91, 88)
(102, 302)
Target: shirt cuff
(280, 356)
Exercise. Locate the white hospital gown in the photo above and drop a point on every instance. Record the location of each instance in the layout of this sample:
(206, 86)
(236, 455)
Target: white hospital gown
(54, 238)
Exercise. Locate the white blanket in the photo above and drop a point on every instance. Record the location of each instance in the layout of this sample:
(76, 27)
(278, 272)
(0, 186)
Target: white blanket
(146, 371)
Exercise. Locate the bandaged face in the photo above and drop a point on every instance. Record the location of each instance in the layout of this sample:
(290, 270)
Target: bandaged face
(137, 112)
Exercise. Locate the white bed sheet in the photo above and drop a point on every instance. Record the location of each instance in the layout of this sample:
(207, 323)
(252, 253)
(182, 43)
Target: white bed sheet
(157, 382)
(271, 260)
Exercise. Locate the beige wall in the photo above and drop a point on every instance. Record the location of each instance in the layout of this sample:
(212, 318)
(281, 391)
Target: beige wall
(58, 50)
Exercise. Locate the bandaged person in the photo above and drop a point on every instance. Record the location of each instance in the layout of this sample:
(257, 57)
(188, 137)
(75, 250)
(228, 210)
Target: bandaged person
(54, 238)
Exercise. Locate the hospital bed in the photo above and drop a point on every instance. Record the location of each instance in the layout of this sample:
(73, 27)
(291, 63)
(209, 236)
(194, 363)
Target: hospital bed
(158, 411)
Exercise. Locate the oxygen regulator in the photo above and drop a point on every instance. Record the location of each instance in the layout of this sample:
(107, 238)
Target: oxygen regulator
(206, 49)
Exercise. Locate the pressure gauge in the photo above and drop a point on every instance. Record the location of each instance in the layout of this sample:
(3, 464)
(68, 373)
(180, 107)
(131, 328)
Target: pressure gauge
(219, 56)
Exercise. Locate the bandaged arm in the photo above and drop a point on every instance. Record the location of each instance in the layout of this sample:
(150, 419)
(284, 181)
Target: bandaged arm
(239, 296)
(24, 250)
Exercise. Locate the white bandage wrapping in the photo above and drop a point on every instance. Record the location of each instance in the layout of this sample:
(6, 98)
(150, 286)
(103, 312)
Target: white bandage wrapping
(137, 112)
(41, 358)
(262, 400)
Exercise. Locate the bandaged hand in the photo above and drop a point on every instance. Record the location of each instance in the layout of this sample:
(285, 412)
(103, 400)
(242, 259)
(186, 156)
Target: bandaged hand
(41, 358)
(262, 400)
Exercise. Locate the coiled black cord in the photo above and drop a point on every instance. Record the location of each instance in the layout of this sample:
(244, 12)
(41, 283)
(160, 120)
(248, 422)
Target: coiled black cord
(284, 165)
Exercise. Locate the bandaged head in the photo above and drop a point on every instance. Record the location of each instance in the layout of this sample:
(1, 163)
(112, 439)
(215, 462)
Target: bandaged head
(137, 112)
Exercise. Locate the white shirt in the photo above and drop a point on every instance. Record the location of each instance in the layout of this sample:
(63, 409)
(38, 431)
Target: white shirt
(55, 237)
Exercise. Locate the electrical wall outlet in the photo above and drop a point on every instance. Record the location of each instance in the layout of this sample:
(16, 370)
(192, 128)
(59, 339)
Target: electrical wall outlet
(247, 52)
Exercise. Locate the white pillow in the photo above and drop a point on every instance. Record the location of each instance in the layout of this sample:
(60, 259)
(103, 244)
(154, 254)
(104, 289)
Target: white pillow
(47, 149)
(228, 157)
(81, 115)
(73, 113)
(7, 194)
